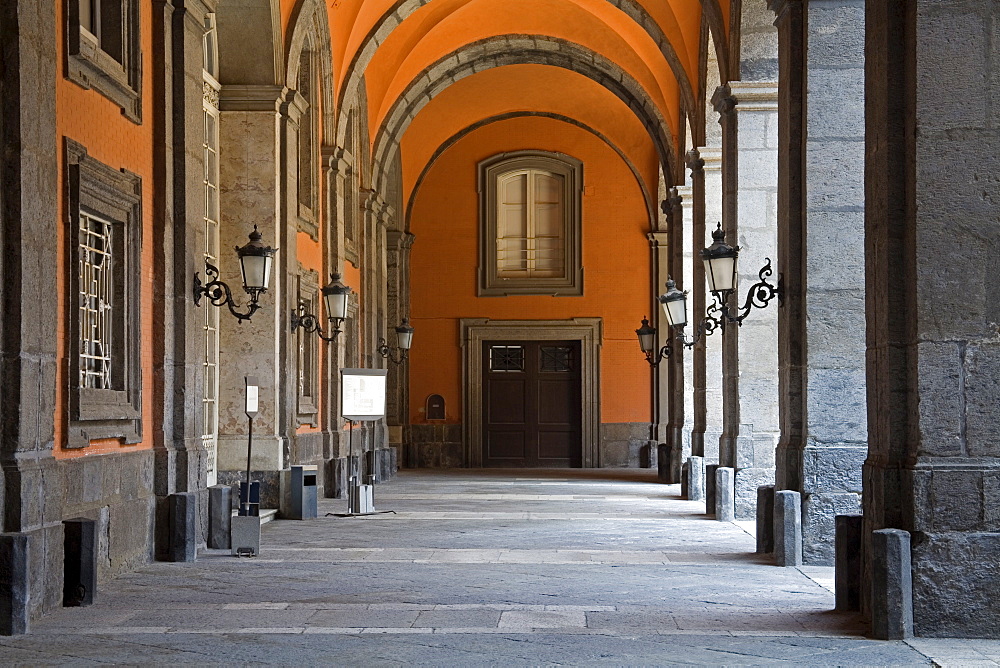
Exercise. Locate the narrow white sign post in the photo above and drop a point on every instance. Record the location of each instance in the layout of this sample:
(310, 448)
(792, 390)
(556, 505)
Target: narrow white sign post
(362, 394)
(244, 536)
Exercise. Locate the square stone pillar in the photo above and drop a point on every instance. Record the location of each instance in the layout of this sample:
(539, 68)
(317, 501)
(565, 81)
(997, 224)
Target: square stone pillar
(660, 415)
(707, 353)
(749, 118)
(821, 200)
(931, 234)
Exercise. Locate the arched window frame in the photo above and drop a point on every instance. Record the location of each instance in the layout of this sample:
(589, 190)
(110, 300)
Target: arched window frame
(490, 172)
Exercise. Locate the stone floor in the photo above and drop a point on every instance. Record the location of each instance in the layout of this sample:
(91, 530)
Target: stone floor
(467, 568)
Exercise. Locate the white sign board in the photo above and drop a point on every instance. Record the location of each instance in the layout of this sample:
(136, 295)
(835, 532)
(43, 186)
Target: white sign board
(253, 394)
(362, 394)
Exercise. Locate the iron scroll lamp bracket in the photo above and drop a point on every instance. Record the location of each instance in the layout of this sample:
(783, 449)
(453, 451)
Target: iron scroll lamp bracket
(310, 323)
(218, 294)
(759, 296)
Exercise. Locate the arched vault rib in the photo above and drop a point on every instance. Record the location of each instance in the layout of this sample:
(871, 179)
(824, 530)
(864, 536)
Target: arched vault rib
(401, 10)
(519, 50)
(310, 17)
(453, 139)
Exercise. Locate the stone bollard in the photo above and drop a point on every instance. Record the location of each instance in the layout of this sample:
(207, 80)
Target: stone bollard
(684, 481)
(676, 455)
(183, 517)
(787, 528)
(765, 519)
(725, 494)
(663, 463)
(220, 515)
(710, 470)
(648, 457)
(892, 588)
(15, 602)
(848, 562)
(696, 478)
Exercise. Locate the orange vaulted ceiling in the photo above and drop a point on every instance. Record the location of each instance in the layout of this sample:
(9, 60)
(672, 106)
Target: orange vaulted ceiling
(514, 90)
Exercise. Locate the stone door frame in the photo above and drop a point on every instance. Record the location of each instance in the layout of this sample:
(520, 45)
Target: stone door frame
(474, 331)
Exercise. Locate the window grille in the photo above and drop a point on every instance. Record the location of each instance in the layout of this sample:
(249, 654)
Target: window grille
(506, 358)
(96, 290)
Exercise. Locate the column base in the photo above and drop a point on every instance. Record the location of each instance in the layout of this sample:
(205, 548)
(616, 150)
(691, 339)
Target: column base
(819, 517)
(747, 482)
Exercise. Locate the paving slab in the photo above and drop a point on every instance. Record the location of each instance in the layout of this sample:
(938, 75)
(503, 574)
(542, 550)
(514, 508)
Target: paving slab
(583, 567)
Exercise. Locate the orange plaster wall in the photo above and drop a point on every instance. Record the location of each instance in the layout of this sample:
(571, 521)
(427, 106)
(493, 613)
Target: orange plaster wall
(92, 120)
(515, 88)
(445, 256)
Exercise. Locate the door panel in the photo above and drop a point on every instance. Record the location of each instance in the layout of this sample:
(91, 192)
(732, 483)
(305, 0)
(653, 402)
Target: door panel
(532, 399)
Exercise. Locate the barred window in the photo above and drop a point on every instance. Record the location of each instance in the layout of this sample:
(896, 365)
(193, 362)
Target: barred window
(104, 217)
(308, 351)
(96, 283)
(530, 217)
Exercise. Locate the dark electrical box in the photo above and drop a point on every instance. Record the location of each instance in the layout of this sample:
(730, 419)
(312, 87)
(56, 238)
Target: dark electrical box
(435, 407)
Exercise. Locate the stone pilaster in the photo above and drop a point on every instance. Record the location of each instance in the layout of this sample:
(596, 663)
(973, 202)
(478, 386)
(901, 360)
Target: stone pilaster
(31, 501)
(824, 429)
(180, 459)
(749, 116)
(932, 155)
(398, 266)
(253, 135)
(708, 352)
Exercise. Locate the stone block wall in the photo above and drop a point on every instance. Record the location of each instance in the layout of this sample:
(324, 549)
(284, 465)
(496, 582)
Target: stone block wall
(434, 446)
(622, 444)
(115, 490)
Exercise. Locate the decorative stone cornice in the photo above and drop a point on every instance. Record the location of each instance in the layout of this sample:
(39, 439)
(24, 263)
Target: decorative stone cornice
(755, 95)
(210, 94)
(251, 98)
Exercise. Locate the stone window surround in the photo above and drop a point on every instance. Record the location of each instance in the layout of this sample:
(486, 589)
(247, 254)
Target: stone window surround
(117, 197)
(308, 293)
(475, 331)
(308, 213)
(91, 67)
(570, 284)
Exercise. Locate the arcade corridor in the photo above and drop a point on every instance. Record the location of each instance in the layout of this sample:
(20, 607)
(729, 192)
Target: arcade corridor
(543, 567)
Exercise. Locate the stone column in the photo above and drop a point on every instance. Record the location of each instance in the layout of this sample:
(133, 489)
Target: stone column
(251, 183)
(31, 531)
(673, 206)
(750, 380)
(660, 416)
(686, 419)
(821, 235)
(708, 352)
(931, 234)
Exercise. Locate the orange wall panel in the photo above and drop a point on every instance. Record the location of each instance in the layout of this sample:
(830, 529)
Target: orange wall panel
(444, 259)
(89, 118)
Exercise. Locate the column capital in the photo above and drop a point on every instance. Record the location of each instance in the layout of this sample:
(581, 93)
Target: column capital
(693, 161)
(658, 239)
(723, 101)
(782, 8)
(398, 240)
(754, 95)
(337, 159)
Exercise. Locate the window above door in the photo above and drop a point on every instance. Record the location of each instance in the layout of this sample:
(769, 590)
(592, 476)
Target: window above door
(530, 220)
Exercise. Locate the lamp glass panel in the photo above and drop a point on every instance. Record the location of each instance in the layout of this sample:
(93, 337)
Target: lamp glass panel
(676, 312)
(336, 305)
(721, 273)
(646, 341)
(404, 339)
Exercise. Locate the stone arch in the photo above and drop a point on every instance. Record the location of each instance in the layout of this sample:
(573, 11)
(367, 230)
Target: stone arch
(712, 16)
(401, 10)
(448, 143)
(520, 50)
(310, 27)
(250, 52)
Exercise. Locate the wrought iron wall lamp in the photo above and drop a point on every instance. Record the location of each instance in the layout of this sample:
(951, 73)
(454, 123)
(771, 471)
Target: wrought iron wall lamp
(404, 339)
(256, 260)
(336, 296)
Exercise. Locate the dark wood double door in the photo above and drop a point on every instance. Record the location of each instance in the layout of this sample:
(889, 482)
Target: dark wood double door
(532, 408)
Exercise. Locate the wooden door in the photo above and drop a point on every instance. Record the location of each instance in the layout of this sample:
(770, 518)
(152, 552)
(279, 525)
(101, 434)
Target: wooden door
(532, 408)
